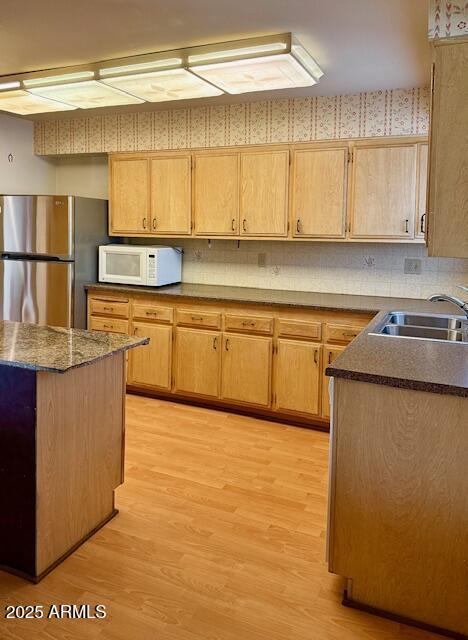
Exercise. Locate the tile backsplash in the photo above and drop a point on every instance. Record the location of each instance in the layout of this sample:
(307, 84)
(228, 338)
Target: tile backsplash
(366, 269)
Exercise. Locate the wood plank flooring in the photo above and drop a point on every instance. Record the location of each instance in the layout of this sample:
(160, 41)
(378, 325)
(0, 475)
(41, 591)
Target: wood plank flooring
(220, 536)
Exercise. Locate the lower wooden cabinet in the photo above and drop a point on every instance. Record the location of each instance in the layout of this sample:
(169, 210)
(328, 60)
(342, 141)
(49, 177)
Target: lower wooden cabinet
(197, 361)
(297, 377)
(246, 369)
(329, 354)
(261, 359)
(151, 364)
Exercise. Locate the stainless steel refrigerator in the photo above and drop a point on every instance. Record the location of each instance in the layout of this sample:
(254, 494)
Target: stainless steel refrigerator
(48, 251)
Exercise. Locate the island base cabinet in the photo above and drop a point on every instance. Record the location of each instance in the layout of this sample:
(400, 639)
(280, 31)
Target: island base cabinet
(197, 362)
(330, 353)
(399, 502)
(61, 458)
(246, 369)
(151, 364)
(297, 377)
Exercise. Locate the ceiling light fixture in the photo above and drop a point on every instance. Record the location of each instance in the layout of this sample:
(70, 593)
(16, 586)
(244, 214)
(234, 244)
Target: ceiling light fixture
(242, 66)
(162, 86)
(86, 95)
(25, 104)
(66, 77)
(142, 66)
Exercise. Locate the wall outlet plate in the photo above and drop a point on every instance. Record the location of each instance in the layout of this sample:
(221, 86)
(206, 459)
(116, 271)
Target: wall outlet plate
(261, 260)
(412, 266)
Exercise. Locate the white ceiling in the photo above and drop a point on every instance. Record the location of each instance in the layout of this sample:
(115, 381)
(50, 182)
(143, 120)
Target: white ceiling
(361, 45)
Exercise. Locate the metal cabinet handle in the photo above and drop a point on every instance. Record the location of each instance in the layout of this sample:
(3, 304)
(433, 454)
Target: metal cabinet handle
(349, 334)
(154, 223)
(108, 326)
(197, 318)
(406, 225)
(108, 308)
(215, 341)
(329, 357)
(144, 223)
(316, 356)
(151, 313)
(233, 224)
(227, 344)
(422, 223)
(244, 224)
(298, 230)
(135, 331)
(248, 324)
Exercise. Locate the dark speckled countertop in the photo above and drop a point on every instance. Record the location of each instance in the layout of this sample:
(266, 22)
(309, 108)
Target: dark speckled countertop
(298, 299)
(424, 365)
(57, 349)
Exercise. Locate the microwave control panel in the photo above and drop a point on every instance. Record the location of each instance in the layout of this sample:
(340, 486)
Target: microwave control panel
(151, 269)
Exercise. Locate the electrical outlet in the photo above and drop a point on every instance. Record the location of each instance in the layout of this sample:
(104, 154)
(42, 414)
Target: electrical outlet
(412, 266)
(261, 260)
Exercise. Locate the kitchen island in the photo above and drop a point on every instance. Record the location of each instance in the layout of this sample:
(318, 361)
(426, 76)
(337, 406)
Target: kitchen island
(398, 497)
(62, 395)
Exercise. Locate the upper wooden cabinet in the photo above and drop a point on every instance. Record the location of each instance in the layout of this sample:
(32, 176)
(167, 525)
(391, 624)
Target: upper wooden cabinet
(420, 224)
(318, 192)
(383, 190)
(171, 195)
(216, 194)
(264, 192)
(448, 172)
(129, 196)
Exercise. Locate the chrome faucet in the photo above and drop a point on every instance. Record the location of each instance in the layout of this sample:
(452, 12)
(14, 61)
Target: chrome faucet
(461, 304)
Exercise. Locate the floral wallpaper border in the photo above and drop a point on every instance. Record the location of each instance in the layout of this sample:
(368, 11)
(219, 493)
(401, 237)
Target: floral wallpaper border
(448, 19)
(376, 113)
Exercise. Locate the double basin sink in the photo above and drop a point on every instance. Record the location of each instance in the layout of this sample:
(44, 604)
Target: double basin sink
(424, 326)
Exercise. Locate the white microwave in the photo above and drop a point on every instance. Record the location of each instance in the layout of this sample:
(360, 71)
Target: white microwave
(132, 264)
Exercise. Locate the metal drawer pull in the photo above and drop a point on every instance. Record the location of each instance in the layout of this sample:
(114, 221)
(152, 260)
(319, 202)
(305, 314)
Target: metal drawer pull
(108, 308)
(349, 334)
(197, 318)
(215, 341)
(151, 313)
(248, 324)
(108, 326)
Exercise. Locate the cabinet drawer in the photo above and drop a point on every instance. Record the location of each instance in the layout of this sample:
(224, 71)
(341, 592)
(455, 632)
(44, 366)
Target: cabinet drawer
(300, 329)
(248, 323)
(196, 318)
(108, 324)
(342, 332)
(150, 312)
(114, 308)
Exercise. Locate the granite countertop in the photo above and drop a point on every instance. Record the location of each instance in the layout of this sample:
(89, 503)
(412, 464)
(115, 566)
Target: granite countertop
(298, 299)
(423, 365)
(57, 349)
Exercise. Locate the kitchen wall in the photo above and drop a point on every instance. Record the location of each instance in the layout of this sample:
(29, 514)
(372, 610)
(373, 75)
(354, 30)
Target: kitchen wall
(366, 269)
(80, 176)
(447, 18)
(23, 172)
(374, 113)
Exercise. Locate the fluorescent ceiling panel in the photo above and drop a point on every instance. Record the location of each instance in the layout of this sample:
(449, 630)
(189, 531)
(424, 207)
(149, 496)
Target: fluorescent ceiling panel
(141, 66)
(65, 77)
(256, 74)
(86, 95)
(162, 86)
(237, 53)
(25, 104)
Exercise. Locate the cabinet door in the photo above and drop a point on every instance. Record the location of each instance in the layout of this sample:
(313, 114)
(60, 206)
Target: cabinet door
(384, 191)
(151, 364)
(129, 196)
(421, 216)
(264, 193)
(246, 369)
(448, 182)
(171, 195)
(297, 377)
(329, 354)
(319, 192)
(197, 361)
(216, 197)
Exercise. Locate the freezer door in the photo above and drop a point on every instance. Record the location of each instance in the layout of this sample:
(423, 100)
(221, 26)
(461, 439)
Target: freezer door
(37, 291)
(38, 225)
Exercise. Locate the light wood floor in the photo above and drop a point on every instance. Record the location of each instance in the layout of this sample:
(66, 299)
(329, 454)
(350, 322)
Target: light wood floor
(220, 536)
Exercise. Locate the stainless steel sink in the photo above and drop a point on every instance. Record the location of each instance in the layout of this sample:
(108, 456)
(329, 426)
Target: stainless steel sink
(424, 326)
